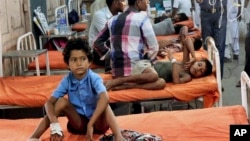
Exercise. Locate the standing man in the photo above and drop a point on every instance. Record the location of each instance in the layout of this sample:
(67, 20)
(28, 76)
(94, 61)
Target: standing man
(232, 41)
(99, 20)
(181, 6)
(214, 23)
(246, 19)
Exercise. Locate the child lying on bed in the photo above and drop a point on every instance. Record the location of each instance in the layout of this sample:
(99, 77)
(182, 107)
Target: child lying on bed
(87, 106)
(173, 71)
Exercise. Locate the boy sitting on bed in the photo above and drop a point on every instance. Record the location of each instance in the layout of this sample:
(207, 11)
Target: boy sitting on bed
(86, 107)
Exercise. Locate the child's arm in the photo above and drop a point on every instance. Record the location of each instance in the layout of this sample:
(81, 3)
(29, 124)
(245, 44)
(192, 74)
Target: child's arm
(56, 131)
(188, 49)
(178, 74)
(102, 104)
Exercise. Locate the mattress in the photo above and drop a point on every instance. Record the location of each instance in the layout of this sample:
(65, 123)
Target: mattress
(210, 124)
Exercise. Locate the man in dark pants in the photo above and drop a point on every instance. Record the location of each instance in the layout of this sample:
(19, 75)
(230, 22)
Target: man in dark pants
(246, 19)
(213, 14)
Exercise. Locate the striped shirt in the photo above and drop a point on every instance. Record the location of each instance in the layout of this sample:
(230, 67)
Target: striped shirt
(131, 37)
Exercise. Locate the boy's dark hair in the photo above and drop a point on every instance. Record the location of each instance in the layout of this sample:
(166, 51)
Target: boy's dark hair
(177, 28)
(131, 2)
(197, 44)
(109, 2)
(77, 44)
(182, 17)
(208, 66)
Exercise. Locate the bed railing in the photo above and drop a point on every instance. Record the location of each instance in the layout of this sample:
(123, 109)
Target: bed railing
(245, 85)
(214, 58)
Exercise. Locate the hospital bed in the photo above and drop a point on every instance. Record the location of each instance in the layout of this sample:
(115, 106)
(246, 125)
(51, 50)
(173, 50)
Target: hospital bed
(209, 124)
(33, 91)
(56, 63)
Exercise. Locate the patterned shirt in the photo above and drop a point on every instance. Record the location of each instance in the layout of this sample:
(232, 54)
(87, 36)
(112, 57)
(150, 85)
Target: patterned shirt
(131, 37)
(82, 94)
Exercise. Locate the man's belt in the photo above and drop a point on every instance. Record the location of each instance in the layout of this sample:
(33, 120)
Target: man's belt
(212, 10)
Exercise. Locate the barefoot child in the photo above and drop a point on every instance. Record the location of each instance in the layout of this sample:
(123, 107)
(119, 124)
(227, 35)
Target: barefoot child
(86, 107)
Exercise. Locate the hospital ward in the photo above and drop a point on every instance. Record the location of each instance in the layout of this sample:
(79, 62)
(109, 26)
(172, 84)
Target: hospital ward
(124, 70)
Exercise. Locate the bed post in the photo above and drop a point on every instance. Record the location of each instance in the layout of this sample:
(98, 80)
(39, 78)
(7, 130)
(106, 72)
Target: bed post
(245, 83)
(214, 58)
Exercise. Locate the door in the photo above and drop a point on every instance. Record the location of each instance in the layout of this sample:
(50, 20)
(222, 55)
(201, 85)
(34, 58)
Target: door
(14, 21)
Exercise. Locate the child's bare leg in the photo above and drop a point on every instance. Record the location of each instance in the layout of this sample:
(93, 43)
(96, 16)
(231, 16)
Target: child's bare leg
(183, 33)
(157, 85)
(148, 75)
(60, 106)
(108, 120)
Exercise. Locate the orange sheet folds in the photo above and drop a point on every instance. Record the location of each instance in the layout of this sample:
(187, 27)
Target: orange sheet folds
(30, 91)
(33, 91)
(79, 26)
(199, 87)
(55, 62)
(210, 124)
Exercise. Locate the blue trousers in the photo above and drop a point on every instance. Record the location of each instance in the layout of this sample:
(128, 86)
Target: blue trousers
(210, 26)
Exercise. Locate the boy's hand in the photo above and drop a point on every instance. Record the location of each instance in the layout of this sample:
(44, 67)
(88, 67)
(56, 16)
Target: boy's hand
(89, 135)
(169, 53)
(56, 132)
(188, 64)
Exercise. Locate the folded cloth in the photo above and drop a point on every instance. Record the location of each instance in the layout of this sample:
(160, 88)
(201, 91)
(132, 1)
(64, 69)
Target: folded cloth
(130, 135)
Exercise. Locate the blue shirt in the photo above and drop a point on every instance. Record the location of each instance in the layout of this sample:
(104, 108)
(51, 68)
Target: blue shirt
(82, 94)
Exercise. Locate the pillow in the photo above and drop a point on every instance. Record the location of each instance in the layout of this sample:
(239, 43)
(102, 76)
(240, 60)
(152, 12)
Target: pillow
(164, 27)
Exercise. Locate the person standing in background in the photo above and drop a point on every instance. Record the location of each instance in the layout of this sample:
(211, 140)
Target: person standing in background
(232, 39)
(246, 19)
(181, 6)
(213, 15)
(99, 20)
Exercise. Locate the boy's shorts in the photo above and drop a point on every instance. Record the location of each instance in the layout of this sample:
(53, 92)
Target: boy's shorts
(84, 123)
(140, 66)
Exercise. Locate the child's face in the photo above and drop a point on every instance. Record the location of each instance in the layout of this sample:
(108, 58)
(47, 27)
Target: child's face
(78, 63)
(198, 69)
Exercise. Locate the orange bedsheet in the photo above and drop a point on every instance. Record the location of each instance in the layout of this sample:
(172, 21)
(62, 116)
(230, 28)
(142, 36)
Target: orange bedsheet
(210, 124)
(80, 26)
(55, 61)
(33, 91)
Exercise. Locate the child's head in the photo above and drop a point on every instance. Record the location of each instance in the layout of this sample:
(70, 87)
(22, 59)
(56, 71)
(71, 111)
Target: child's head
(197, 43)
(180, 17)
(77, 44)
(201, 68)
